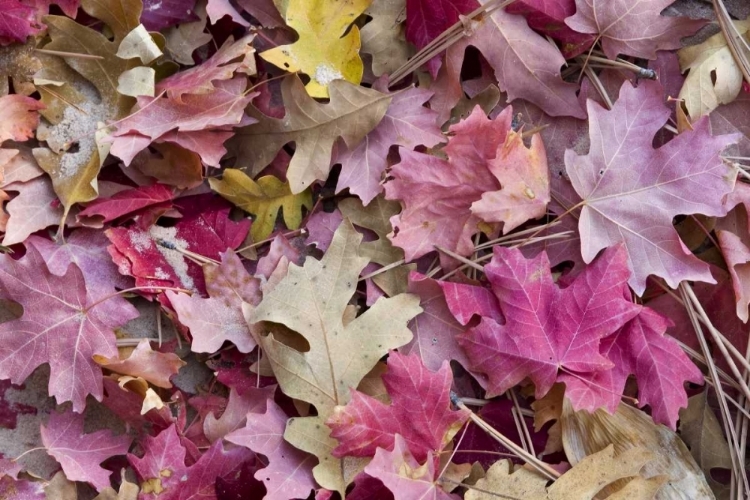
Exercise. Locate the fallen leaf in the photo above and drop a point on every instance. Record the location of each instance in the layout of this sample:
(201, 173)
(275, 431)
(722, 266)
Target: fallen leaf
(263, 198)
(548, 17)
(126, 202)
(80, 454)
(18, 116)
(419, 412)
(153, 366)
(314, 127)
(328, 45)
(234, 417)
(637, 210)
(322, 376)
(634, 30)
(383, 37)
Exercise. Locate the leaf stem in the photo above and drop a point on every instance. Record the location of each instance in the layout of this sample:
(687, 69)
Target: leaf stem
(136, 289)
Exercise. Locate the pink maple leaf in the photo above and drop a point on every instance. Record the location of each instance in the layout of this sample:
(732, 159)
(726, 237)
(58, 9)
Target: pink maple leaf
(659, 364)
(17, 22)
(80, 454)
(489, 175)
(631, 192)
(239, 404)
(634, 29)
(420, 412)
(219, 318)
(406, 123)
(426, 19)
(548, 329)
(401, 473)
(19, 115)
(61, 325)
(289, 470)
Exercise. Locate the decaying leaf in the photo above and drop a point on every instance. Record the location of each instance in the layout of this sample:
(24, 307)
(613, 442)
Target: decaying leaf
(383, 37)
(312, 300)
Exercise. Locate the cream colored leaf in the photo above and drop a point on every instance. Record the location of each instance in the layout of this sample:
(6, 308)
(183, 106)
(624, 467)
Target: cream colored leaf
(137, 81)
(377, 217)
(383, 37)
(584, 433)
(138, 43)
(582, 482)
(182, 40)
(312, 300)
(352, 112)
(714, 76)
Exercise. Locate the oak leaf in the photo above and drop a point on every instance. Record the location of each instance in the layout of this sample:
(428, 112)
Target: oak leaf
(312, 300)
(263, 198)
(352, 113)
(383, 37)
(631, 192)
(80, 454)
(323, 51)
(714, 76)
(636, 30)
(62, 325)
(420, 412)
(582, 482)
(74, 171)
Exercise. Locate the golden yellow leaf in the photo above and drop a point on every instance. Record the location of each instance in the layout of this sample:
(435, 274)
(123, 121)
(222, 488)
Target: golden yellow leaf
(263, 199)
(312, 300)
(322, 51)
(314, 127)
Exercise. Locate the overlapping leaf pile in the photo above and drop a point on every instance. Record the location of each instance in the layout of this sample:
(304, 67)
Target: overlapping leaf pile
(293, 249)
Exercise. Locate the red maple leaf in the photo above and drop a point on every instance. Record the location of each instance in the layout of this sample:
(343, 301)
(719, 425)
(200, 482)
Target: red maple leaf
(548, 329)
(419, 411)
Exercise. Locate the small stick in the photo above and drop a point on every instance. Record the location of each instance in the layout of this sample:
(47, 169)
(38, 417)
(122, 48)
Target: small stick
(67, 54)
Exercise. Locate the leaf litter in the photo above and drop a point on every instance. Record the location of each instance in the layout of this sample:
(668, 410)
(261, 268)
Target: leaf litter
(327, 202)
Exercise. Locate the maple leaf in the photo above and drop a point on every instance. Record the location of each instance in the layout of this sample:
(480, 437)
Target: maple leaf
(61, 325)
(126, 202)
(35, 207)
(153, 366)
(262, 198)
(584, 481)
(158, 15)
(205, 228)
(631, 192)
(166, 477)
(525, 64)
(219, 67)
(404, 476)
(366, 424)
(323, 51)
(383, 37)
(289, 471)
(352, 113)
(714, 76)
(635, 30)
(406, 123)
(17, 21)
(441, 198)
(548, 17)
(561, 327)
(218, 319)
(239, 405)
(80, 454)
(312, 300)
(18, 116)
(426, 19)
(73, 171)
(193, 114)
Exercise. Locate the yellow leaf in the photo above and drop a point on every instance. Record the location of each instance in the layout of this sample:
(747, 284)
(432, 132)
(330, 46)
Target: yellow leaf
(321, 51)
(312, 301)
(263, 199)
